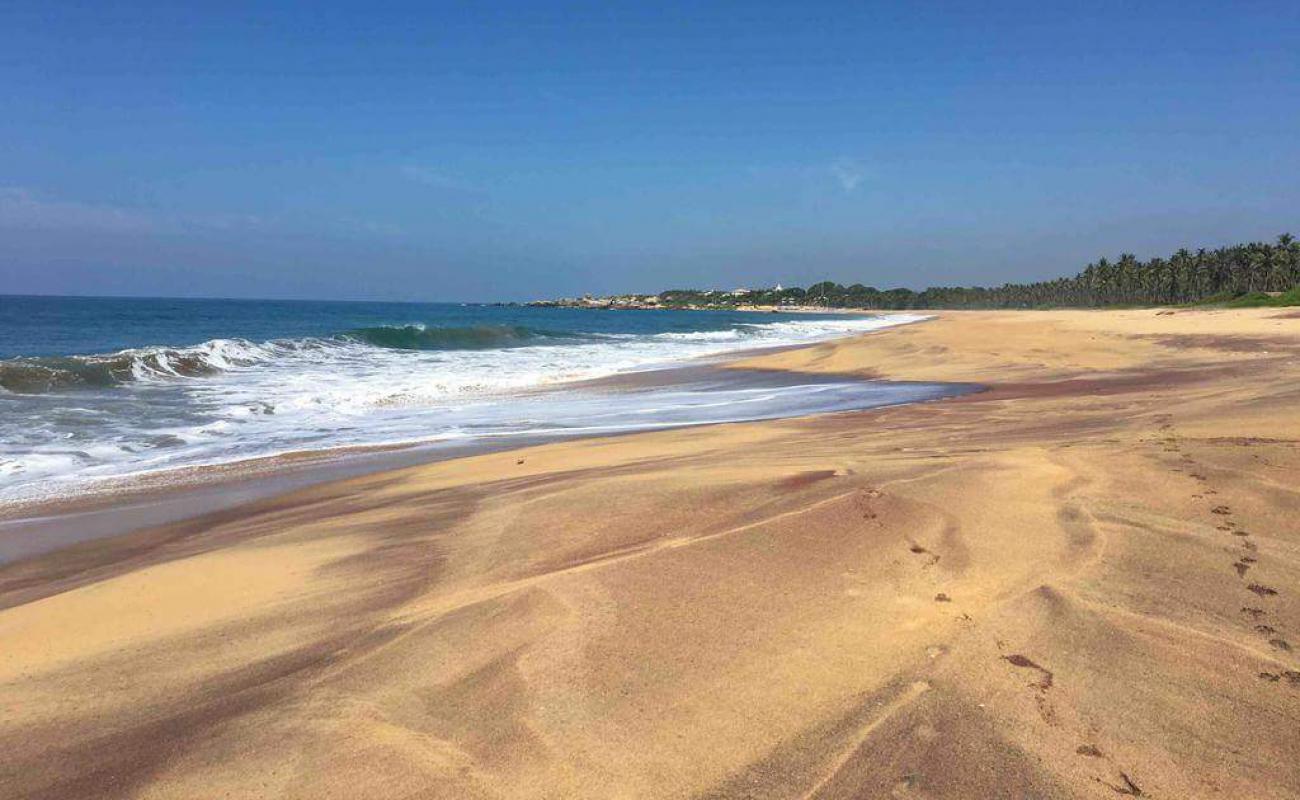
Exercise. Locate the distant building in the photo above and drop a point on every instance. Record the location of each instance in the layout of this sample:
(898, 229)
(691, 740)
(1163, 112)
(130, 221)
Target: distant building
(739, 292)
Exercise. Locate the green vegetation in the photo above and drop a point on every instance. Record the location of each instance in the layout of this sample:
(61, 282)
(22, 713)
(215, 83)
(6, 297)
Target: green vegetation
(1239, 276)
(1263, 299)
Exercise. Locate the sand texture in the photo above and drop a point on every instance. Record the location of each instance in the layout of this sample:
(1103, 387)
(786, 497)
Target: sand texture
(1084, 582)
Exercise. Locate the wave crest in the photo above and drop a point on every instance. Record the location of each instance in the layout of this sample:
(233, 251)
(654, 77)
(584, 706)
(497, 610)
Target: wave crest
(37, 375)
(40, 375)
(478, 337)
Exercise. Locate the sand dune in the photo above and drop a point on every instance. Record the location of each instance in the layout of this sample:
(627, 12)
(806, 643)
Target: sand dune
(1084, 582)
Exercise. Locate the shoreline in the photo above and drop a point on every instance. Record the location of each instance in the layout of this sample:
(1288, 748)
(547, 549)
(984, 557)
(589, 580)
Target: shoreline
(184, 475)
(1086, 577)
(116, 506)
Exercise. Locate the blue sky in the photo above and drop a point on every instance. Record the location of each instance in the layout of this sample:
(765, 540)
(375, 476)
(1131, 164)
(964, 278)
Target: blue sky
(438, 151)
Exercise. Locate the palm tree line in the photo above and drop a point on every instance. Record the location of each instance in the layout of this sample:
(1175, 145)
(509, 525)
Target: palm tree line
(1184, 277)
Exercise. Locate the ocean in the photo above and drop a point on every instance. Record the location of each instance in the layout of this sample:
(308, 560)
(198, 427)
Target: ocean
(94, 391)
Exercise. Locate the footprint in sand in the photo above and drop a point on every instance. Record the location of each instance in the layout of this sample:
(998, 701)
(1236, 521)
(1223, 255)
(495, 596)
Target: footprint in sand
(1280, 644)
(921, 551)
(1018, 660)
(904, 788)
(864, 502)
(1262, 590)
(1221, 510)
(1292, 677)
(1128, 787)
(1045, 709)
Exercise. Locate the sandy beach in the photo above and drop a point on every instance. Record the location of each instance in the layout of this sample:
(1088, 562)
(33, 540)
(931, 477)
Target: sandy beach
(1082, 582)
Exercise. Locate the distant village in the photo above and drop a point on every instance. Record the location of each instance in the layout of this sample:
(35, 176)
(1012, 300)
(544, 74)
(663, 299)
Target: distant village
(776, 298)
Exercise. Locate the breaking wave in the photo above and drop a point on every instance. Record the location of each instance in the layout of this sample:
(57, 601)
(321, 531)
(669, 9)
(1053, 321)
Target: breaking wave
(59, 373)
(39, 375)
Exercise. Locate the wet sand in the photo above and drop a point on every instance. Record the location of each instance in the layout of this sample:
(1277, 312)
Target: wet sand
(116, 506)
(1084, 582)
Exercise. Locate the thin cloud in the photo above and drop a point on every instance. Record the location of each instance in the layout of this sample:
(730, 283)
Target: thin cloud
(429, 176)
(21, 208)
(370, 227)
(849, 173)
(224, 222)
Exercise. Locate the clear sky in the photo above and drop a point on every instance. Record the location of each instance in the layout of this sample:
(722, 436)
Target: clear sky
(477, 151)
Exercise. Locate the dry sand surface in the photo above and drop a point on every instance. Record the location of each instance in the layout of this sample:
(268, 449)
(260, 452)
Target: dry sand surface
(1084, 582)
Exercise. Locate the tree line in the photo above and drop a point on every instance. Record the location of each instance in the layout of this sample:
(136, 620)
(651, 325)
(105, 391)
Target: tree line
(1184, 277)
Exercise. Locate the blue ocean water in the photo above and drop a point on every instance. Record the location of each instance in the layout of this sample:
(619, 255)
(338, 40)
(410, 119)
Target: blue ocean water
(63, 326)
(99, 389)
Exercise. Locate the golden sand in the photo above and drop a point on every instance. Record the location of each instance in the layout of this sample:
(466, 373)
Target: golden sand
(1084, 582)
